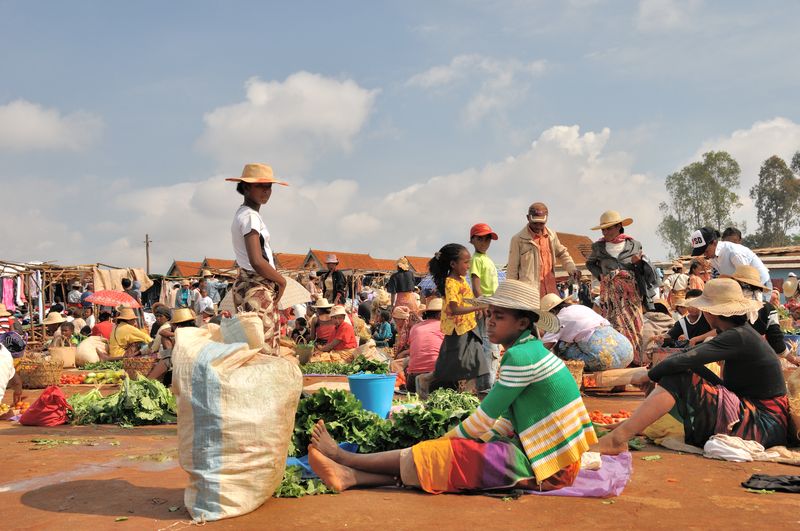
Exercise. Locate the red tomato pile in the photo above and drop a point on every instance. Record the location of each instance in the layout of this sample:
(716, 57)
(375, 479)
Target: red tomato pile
(72, 379)
(599, 417)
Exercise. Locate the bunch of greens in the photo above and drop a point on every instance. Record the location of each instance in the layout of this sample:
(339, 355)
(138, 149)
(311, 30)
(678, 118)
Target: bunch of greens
(103, 366)
(138, 402)
(360, 364)
(294, 486)
(348, 422)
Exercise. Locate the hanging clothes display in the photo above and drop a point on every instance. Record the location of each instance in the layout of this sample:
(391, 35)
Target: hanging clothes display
(8, 294)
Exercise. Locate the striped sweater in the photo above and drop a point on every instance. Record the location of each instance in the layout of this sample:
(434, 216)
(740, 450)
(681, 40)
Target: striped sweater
(536, 398)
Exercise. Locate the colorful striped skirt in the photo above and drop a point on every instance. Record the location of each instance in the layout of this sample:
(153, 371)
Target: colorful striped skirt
(707, 409)
(463, 465)
(621, 305)
(254, 293)
(605, 349)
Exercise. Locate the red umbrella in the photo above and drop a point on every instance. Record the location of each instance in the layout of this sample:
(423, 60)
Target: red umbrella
(110, 297)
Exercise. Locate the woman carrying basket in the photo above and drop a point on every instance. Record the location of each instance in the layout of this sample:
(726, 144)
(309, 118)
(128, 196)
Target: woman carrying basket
(259, 286)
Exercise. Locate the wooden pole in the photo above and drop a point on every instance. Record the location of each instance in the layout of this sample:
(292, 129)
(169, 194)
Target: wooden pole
(147, 242)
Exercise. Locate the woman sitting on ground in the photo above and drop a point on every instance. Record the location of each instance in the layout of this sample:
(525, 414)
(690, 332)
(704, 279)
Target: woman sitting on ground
(586, 336)
(692, 328)
(342, 344)
(424, 340)
(537, 446)
(181, 318)
(749, 401)
(655, 324)
(126, 340)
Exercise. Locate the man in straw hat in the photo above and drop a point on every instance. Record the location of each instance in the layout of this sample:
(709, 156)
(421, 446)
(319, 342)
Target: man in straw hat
(534, 250)
(749, 401)
(768, 321)
(126, 339)
(550, 425)
(725, 256)
(334, 284)
(180, 318)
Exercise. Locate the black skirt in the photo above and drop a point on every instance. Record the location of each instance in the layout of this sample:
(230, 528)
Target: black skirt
(460, 358)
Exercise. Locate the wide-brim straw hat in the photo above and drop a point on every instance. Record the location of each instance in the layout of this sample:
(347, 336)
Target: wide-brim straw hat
(747, 275)
(403, 264)
(331, 259)
(322, 302)
(609, 218)
(549, 301)
(401, 312)
(4, 311)
(517, 295)
(181, 315)
(434, 305)
(53, 318)
(257, 174)
(126, 314)
(206, 273)
(790, 287)
(338, 310)
(723, 296)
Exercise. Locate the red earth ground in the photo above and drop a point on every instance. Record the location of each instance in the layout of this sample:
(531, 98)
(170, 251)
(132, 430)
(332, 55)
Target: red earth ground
(133, 473)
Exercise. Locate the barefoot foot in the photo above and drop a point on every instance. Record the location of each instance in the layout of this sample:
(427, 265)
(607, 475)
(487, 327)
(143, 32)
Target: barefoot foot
(334, 475)
(322, 441)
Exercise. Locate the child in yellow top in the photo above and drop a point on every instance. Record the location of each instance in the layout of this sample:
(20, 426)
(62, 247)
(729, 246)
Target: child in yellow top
(461, 355)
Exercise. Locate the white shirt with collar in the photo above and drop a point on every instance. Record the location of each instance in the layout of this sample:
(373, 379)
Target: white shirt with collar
(729, 255)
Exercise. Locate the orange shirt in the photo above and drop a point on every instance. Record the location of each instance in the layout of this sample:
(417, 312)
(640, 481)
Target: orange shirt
(547, 277)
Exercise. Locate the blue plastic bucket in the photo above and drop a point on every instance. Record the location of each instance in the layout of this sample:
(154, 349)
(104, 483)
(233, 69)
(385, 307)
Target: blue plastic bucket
(375, 391)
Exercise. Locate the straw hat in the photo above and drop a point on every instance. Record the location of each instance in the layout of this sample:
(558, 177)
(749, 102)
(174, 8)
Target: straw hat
(434, 305)
(338, 310)
(53, 318)
(185, 283)
(206, 273)
(518, 295)
(331, 259)
(790, 287)
(322, 302)
(403, 264)
(550, 301)
(4, 311)
(747, 275)
(257, 173)
(723, 296)
(181, 315)
(609, 218)
(125, 314)
(401, 312)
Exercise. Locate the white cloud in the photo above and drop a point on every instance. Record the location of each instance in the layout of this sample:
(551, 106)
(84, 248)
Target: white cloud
(500, 83)
(666, 15)
(26, 126)
(288, 123)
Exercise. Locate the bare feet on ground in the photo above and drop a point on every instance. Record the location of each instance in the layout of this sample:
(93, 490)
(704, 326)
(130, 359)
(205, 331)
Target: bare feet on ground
(334, 475)
(322, 441)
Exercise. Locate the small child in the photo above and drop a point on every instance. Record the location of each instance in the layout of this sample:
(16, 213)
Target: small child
(382, 334)
(483, 277)
(461, 355)
(301, 333)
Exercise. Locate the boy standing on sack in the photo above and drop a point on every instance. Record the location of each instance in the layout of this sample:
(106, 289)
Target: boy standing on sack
(483, 279)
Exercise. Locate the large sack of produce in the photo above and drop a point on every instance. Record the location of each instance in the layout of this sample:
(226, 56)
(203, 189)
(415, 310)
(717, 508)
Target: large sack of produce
(88, 350)
(236, 410)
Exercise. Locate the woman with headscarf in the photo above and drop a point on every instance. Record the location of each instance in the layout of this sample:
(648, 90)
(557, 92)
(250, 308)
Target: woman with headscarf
(749, 399)
(625, 278)
(401, 286)
(259, 286)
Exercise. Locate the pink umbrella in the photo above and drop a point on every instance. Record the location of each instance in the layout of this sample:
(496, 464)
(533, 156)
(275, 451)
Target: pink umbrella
(113, 298)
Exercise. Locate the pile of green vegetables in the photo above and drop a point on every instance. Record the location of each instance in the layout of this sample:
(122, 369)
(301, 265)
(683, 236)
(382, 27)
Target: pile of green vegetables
(103, 366)
(347, 421)
(360, 364)
(138, 402)
(294, 485)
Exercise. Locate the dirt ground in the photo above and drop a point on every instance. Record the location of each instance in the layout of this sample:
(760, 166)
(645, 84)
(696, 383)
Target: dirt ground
(110, 473)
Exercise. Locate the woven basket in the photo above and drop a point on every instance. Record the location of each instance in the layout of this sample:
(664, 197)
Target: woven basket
(39, 373)
(786, 324)
(304, 353)
(139, 365)
(576, 370)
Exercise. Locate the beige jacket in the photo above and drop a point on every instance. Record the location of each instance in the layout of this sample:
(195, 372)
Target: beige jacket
(524, 260)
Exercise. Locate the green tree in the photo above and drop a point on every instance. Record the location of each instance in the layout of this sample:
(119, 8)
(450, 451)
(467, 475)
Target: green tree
(777, 198)
(700, 194)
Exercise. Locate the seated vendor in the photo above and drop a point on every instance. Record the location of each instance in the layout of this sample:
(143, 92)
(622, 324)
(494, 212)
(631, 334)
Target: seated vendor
(181, 318)
(424, 341)
(52, 324)
(537, 445)
(692, 328)
(342, 344)
(586, 336)
(126, 339)
(655, 325)
(749, 401)
(68, 336)
(382, 332)
(320, 324)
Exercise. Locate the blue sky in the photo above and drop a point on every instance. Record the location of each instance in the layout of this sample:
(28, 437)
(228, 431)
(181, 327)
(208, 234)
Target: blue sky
(398, 123)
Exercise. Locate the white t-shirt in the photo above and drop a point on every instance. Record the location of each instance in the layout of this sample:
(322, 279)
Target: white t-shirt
(202, 304)
(6, 369)
(615, 249)
(578, 323)
(245, 220)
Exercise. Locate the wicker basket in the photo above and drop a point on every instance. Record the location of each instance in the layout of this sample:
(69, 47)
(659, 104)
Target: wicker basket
(139, 365)
(38, 373)
(576, 370)
(304, 353)
(786, 324)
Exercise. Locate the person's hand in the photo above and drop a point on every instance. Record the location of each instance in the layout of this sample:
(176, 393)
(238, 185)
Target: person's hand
(281, 288)
(640, 378)
(576, 275)
(682, 337)
(696, 340)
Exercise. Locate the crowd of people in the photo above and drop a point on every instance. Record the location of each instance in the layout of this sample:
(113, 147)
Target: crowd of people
(505, 341)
